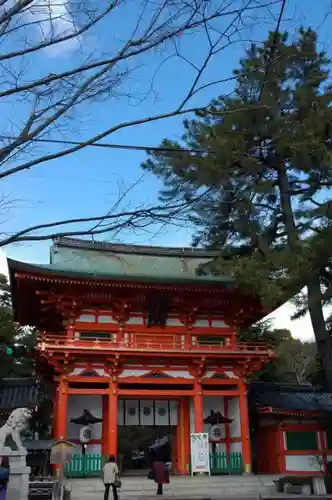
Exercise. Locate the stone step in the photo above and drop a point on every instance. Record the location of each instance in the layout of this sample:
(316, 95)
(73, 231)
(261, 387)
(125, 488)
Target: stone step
(290, 496)
(180, 488)
(150, 486)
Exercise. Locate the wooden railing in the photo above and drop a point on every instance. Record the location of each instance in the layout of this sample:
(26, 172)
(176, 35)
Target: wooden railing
(140, 342)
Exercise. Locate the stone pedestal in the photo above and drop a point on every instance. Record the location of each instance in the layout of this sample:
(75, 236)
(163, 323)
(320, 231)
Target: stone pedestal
(319, 486)
(18, 486)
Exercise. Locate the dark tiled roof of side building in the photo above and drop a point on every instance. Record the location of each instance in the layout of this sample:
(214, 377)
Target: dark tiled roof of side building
(19, 393)
(292, 397)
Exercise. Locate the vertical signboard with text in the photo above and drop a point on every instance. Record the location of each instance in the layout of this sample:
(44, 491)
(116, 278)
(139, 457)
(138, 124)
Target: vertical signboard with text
(200, 452)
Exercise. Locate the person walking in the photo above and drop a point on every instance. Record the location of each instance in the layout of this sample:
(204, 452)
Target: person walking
(111, 478)
(4, 477)
(160, 474)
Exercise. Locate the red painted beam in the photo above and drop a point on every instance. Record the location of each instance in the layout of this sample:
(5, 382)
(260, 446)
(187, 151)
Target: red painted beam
(160, 394)
(87, 391)
(207, 392)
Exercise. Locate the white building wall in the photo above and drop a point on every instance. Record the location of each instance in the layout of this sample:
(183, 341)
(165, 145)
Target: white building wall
(306, 463)
(236, 447)
(234, 414)
(136, 412)
(76, 405)
(220, 447)
(215, 403)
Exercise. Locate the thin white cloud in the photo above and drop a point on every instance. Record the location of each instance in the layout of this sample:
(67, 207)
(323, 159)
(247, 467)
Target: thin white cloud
(55, 20)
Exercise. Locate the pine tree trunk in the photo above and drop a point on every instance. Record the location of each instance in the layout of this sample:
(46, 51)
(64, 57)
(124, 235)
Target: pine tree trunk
(322, 336)
(323, 339)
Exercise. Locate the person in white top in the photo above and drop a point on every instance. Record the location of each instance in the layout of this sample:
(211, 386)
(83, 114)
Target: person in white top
(110, 476)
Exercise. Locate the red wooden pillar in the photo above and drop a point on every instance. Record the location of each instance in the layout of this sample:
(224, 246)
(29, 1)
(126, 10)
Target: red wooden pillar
(183, 436)
(175, 444)
(61, 409)
(281, 450)
(104, 444)
(198, 408)
(112, 419)
(245, 429)
(323, 447)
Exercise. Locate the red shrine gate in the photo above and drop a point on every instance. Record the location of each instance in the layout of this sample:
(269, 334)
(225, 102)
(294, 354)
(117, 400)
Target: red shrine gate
(136, 324)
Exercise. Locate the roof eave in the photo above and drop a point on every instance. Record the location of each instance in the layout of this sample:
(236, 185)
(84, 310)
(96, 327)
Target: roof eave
(136, 249)
(43, 271)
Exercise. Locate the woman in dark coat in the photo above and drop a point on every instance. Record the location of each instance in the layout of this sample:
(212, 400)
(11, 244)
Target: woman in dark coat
(160, 474)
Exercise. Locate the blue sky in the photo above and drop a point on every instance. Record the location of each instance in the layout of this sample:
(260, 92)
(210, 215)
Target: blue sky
(89, 182)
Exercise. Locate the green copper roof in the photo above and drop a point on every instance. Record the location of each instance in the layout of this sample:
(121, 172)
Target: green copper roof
(130, 261)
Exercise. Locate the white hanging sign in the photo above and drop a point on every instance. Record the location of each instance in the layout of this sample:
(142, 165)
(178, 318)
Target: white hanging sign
(200, 452)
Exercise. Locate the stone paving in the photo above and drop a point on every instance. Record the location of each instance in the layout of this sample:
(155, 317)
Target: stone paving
(180, 488)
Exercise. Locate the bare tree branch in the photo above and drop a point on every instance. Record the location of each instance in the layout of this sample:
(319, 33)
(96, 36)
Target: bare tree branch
(45, 97)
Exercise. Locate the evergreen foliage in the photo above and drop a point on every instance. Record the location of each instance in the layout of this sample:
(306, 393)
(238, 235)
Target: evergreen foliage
(260, 194)
(18, 359)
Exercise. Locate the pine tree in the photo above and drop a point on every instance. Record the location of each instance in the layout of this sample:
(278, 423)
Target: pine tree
(17, 343)
(260, 192)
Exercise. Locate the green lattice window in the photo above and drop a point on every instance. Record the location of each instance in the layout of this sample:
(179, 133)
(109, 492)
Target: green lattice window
(96, 335)
(210, 340)
(301, 440)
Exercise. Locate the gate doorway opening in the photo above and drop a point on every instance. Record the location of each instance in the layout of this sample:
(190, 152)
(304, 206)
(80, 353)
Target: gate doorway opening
(139, 445)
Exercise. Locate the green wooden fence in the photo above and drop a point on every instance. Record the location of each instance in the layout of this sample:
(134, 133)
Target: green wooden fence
(91, 464)
(88, 465)
(226, 463)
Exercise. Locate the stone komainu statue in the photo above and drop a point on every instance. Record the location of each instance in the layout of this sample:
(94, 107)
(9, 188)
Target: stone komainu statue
(18, 421)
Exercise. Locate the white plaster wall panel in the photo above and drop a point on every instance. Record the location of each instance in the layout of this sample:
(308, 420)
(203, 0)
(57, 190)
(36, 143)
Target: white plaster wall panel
(305, 463)
(178, 373)
(77, 371)
(236, 447)
(101, 371)
(219, 323)
(135, 320)
(106, 318)
(128, 372)
(234, 414)
(209, 373)
(220, 447)
(162, 414)
(230, 374)
(202, 323)
(174, 412)
(94, 448)
(173, 322)
(215, 403)
(86, 318)
(131, 412)
(329, 458)
(76, 405)
(120, 412)
(146, 412)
